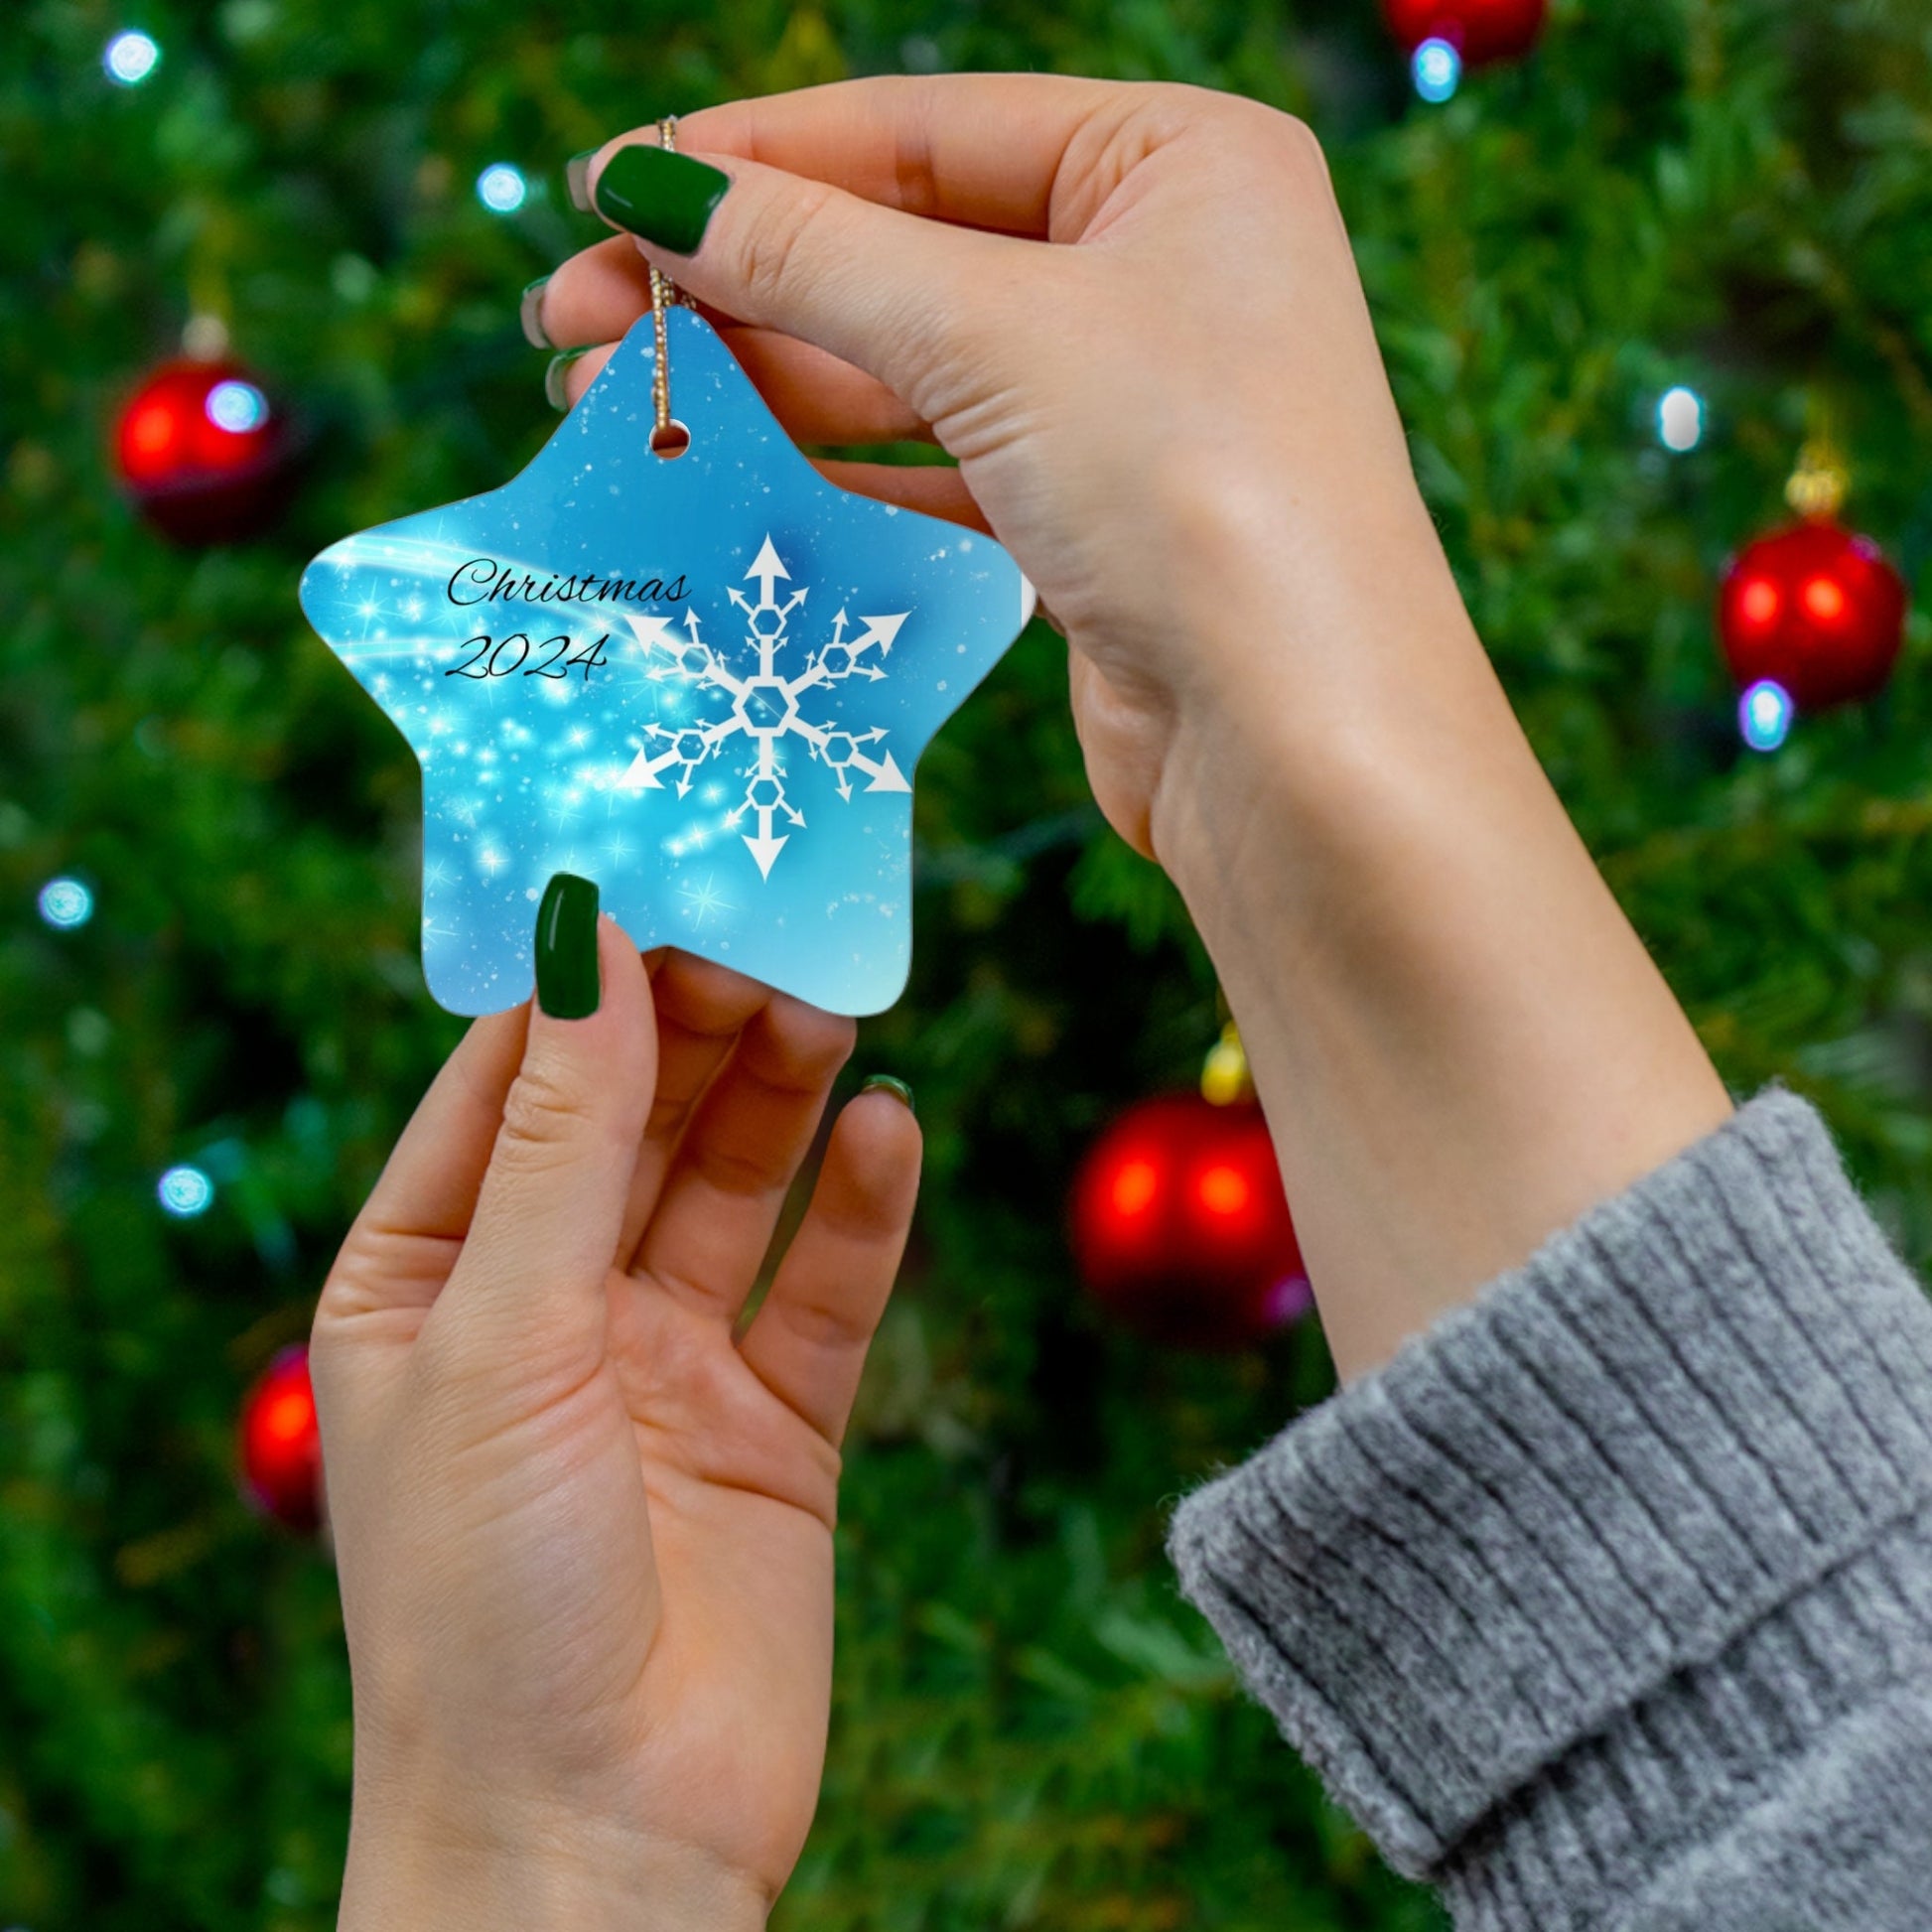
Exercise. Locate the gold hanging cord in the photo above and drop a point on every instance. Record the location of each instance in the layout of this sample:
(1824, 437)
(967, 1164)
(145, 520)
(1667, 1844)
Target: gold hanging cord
(666, 438)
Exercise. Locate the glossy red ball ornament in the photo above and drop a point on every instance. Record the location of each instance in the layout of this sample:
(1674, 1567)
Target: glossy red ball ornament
(1815, 609)
(204, 453)
(1180, 1228)
(1480, 30)
(281, 1446)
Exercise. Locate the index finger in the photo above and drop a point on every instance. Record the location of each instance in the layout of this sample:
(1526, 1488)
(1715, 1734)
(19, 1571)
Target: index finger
(984, 150)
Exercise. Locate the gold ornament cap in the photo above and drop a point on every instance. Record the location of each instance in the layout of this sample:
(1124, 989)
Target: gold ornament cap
(1819, 484)
(1224, 1078)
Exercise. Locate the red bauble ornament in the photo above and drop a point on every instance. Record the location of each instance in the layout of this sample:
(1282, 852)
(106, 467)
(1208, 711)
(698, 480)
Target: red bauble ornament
(1815, 609)
(204, 453)
(1181, 1228)
(1480, 30)
(281, 1446)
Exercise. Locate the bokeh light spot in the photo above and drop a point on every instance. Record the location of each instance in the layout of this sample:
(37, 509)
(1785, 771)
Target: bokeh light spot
(1134, 1187)
(130, 57)
(501, 187)
(1223, 1189)
(237, 407)
(185, 1192)
(65, 904)
(287, 1415)
(1679, 419)
(1824, 599)
(1757, 602)
(1436, 69)
(1764, 715)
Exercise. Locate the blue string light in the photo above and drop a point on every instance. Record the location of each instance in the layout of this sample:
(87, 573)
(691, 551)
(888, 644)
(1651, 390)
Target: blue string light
(1438, 69)
(1764, 715)
(65, 904)
(130, 57)
(501, 188)
(185, 1192)
(237, 407)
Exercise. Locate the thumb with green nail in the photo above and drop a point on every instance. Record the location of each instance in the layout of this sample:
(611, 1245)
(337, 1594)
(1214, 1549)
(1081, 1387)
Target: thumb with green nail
(582, 1511)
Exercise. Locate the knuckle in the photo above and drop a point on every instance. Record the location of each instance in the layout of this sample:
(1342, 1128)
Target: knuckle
(780, 247)
(546, 1115)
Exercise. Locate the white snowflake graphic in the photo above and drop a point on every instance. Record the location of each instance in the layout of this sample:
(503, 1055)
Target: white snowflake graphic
(764, 706)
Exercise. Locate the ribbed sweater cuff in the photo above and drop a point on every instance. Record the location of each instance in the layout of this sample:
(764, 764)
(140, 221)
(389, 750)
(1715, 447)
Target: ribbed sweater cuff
(1644, 1453)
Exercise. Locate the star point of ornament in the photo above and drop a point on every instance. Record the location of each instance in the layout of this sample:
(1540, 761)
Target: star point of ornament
(616, 632)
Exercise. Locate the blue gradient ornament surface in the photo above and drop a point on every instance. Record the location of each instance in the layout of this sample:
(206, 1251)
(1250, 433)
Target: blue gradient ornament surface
(701, 681)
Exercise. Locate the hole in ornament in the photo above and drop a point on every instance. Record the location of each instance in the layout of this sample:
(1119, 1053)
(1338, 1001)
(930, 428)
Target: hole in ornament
(671, 441)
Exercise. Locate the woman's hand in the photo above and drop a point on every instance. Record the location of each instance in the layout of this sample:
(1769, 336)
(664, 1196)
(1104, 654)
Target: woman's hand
(585, 1534)
(1188, 375)
(1132, 312)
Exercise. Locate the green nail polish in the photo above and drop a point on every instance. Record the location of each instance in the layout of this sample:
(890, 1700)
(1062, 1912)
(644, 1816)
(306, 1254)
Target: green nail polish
(577, 179)
(885, 1083)
(529, 311)
(554, 392)
(666, 198)
(568, 986)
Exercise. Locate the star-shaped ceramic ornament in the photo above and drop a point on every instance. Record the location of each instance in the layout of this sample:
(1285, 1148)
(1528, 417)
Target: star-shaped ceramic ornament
(703, 681)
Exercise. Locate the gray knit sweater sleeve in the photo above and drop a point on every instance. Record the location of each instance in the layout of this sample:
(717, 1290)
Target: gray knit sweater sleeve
(1608, 1604)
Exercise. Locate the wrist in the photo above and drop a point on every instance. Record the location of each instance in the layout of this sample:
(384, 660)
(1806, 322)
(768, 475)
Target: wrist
(1460, 1042)
(530, 1873)
(1330, 702)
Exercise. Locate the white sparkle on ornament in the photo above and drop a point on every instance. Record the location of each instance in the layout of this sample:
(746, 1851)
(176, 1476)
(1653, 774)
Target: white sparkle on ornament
(501, 187)
(185, 1192)
(130, 57)
(705, 899)
(1679, 419)
(1436, 69)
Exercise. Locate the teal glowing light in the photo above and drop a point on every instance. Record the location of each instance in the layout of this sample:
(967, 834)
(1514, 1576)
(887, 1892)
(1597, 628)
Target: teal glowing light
(65, 904)
(185, 1192)
(1438, 69)
(1764, 715)
(501, 188)
(130, 57)
(237, 407)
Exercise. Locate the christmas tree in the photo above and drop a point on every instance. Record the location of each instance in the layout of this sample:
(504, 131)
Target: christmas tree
(210, 859)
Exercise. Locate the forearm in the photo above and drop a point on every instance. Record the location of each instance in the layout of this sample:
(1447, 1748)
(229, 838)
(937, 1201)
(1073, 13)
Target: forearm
(1460, 1042)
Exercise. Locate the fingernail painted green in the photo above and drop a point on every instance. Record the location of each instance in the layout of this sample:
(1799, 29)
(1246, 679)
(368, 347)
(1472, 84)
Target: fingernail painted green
(666, 198)
(885, 1083)
(554, 392)
(529, 310)
(568, 986)
(577, 178)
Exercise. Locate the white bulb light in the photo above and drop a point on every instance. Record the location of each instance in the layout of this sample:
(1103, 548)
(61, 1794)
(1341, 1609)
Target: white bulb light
(237, 407)
(1764, 715)
(130, 57)
(501, 188)
(185, 1192)
(1438, 69)
(65, 904)
(1679, 419)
